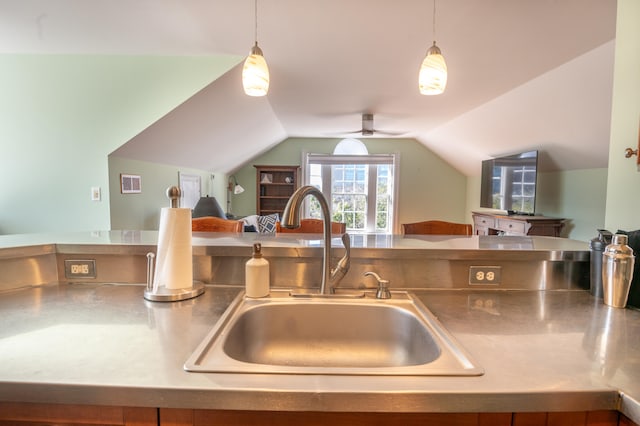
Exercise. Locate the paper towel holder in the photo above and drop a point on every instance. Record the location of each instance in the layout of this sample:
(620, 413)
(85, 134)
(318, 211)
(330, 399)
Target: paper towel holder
(163, 294)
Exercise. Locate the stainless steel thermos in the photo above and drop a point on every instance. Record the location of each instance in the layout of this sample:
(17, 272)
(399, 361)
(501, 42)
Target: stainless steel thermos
(597, 246)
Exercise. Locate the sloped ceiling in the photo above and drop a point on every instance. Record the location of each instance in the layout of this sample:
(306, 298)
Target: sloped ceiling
(216, 129)
(522, 74)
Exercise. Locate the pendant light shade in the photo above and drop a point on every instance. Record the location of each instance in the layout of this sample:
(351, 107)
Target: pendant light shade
(432, 79)
(433, 72)
(255, 73)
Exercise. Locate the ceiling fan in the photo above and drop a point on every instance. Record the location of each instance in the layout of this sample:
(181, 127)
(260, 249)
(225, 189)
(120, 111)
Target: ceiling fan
(369, 130)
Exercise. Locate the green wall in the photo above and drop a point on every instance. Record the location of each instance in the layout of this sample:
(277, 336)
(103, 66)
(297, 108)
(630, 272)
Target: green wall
(623, 186)
(142, 211)
(429, 187)
(61, 116)
(560, 194)
(577, 195)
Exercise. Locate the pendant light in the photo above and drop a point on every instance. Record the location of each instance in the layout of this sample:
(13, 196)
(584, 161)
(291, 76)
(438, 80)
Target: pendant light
(255, 73)
(433, 72)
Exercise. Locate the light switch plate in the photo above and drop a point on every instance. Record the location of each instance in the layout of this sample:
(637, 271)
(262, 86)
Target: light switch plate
(95, 193)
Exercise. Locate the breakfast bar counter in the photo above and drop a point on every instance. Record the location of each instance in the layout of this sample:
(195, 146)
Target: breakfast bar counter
(104, 344)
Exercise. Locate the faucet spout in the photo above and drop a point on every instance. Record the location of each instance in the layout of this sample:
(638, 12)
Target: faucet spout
(291, 219)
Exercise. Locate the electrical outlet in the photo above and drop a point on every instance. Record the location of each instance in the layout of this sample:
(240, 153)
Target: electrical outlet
(482, 275)
(80, 268)
(95, 193)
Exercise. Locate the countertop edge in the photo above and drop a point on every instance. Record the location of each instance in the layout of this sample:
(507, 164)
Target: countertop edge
(312, 400)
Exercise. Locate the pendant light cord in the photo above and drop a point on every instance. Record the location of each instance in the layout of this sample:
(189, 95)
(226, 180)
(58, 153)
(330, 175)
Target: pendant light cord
(434, 21)
(255, 15)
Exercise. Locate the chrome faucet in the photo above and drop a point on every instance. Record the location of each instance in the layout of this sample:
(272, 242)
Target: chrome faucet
(291, 219)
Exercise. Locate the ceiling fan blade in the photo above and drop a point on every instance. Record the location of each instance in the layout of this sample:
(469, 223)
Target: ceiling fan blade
(349, 132)
(389, 133)
(368, 129)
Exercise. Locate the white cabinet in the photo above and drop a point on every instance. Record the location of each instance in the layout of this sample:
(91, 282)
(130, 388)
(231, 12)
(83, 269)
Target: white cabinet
(493, 224)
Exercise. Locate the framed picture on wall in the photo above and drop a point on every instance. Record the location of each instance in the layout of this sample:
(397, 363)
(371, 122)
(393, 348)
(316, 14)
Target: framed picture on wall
(130, 184)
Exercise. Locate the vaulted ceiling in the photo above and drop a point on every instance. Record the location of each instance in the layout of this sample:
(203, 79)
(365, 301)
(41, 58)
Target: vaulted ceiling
(528, 74)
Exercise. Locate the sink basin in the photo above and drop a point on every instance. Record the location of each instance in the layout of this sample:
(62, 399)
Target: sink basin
(292, 335)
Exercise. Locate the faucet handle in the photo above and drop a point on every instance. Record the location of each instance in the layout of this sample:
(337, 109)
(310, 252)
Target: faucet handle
(338, 273)
(383, 286)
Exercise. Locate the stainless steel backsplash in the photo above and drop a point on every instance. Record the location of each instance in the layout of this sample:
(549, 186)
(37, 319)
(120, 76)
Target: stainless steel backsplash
(301, 267)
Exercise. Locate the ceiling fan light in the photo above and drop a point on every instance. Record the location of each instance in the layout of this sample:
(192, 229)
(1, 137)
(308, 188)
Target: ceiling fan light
(255, 73)
(367, 125)
(432, 79)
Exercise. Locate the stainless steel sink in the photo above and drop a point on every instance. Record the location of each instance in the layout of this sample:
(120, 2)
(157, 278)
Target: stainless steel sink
(292, 335)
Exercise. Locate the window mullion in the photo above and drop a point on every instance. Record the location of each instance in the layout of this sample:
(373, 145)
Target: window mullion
(327, 189)
(372, 187)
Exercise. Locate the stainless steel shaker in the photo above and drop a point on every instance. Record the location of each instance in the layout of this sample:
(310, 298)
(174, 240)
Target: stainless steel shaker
(617, 271)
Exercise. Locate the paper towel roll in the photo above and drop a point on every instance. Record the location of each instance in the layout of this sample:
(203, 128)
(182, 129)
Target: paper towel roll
(174, 261)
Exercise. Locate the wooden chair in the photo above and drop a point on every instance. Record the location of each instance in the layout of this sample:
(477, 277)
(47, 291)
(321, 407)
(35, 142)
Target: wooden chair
(437, 227)
(215, 224)
(313, 226)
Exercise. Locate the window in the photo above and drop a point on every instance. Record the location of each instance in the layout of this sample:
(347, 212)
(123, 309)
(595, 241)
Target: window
(359, 188)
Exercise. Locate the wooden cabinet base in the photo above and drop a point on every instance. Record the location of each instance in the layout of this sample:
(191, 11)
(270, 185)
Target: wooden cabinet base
(31, 414)
(580, 418)
(171, 417)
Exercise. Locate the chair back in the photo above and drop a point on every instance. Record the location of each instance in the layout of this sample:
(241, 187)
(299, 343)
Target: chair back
(313, 226)
(437, 227)
(215, 224)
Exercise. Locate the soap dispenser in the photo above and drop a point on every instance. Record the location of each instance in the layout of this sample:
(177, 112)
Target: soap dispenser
(257, 274)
